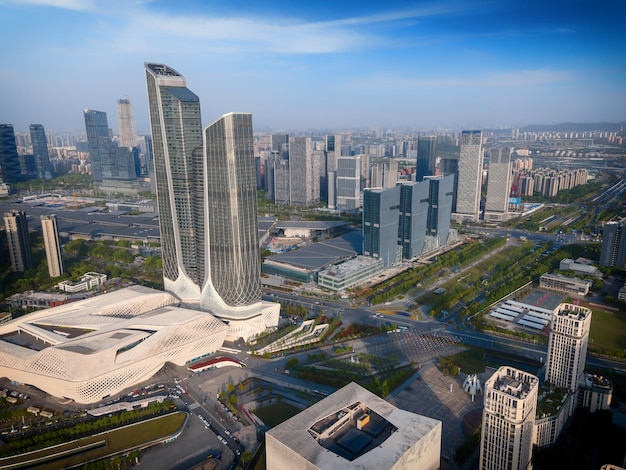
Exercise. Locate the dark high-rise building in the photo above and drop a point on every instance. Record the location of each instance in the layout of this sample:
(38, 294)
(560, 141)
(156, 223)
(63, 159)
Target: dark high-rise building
(9, 159)
(280, 144)
(18, 241)
(110, 164)
(381, 210)
(40, 151)
(413, 218)
(440, 199)
(426, 157)
(207, 206)
(99, 141)
(613, 251)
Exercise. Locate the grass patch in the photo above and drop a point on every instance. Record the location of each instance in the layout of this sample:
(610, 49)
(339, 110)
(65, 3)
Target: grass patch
(474, 361)
(608, 332)
(117, 441)
(471, 361)
(273, 415)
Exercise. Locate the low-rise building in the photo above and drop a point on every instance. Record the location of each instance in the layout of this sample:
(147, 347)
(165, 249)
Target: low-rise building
(32, 299)
(351, 273)
(354, 429)
(595, 393)
(558, 282)
(585, 269)
(87, 281)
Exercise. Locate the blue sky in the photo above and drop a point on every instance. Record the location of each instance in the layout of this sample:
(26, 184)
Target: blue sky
(319, 65)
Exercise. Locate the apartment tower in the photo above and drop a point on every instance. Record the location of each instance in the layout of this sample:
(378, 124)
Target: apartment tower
(567, 346)
(52, 244)
(18, 240)
(506, 441)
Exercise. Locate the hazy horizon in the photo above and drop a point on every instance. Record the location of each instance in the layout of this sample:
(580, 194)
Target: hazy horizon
(417, 65)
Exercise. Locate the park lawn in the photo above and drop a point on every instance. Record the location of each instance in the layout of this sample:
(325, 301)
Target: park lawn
(273, 415)
(478, 270)
(608, 331)
(470, 361)
(117, 441)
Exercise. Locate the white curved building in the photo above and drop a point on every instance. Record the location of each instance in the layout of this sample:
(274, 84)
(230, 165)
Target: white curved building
(93, 348)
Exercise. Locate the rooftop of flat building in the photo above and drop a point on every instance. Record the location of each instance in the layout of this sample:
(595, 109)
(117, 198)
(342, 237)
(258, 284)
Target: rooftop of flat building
(327, 435)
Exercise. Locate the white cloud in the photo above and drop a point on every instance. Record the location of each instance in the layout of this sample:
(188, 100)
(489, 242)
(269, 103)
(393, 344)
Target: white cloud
(519, 78)
(77, 5)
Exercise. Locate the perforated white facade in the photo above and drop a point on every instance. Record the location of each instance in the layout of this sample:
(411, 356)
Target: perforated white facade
(93, 348)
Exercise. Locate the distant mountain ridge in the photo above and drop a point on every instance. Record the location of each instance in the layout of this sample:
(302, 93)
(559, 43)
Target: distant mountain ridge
(575, 127)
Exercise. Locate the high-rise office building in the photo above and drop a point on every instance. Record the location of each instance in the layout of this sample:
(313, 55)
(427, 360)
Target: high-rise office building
(179, 167)
(206, 197)
(381, 212)
(470, 176)
(413, 218)
(304, 171)
(440, 199)
(567, 346)
(234, 256)
(112, 166)
(613, 251)
(10, 171)
(426, 156)
(18, 241)
(40, 151)
(347, 184)
(498, 184)
(52, 244)
(506, 441)
(425, 210)
(126, 118)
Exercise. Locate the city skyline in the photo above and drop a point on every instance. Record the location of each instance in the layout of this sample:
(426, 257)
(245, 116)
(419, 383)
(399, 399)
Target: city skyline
(435, 65)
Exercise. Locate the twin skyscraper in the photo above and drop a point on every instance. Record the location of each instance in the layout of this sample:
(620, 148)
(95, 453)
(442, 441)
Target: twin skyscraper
(206, 194)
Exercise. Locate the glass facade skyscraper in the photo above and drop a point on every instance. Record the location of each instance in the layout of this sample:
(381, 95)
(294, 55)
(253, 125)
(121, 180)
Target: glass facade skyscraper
(232, 210)
(98, 140)
(9, 160)
(40, 151)
(426, 157)
(179, 169)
